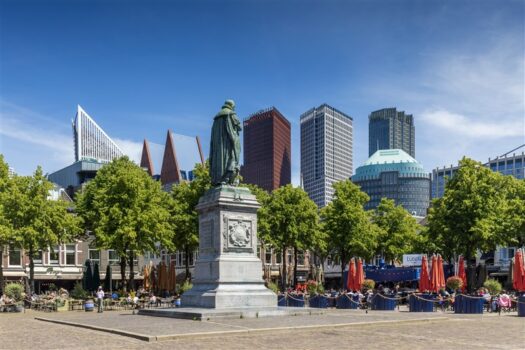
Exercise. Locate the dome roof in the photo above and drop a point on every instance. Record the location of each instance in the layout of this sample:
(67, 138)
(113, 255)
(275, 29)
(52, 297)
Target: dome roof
(389, 160)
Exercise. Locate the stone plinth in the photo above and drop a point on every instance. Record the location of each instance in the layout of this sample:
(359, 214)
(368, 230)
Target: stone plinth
(228, 273)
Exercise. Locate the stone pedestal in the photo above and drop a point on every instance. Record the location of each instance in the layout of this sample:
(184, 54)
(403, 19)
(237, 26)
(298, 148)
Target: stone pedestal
(228, 273)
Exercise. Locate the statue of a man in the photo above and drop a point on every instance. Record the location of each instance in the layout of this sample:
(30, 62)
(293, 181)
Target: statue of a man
(225, 146)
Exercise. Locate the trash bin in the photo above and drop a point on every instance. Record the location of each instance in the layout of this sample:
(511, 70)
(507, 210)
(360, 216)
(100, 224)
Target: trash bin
(521, 306)
(89, 305)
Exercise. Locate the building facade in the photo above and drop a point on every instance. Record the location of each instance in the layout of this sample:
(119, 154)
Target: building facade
(507, 164)
(395, 175)
(267, 150)
(390, 129)
(91, 142)
(326, 151)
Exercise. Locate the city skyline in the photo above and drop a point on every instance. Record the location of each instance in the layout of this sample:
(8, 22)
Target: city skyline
(463, 85)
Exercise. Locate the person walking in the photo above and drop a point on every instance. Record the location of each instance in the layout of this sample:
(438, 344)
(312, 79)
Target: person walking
(100, 298)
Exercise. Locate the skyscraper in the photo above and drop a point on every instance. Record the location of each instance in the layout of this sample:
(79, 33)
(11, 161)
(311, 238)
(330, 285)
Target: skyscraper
(390, 129)
(326, 151)
(267, 149)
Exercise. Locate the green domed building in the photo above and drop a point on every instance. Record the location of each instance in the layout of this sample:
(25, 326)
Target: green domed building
(393, 174)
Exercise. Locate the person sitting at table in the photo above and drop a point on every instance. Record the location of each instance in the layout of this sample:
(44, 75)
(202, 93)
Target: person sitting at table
(152, 299)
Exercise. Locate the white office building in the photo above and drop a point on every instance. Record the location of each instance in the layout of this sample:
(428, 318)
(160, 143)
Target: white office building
(326, 151)
(91, 142)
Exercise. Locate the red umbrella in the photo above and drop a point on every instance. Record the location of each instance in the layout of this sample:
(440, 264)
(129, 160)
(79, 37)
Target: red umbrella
(424, 279)
(519, 272)
(461, 273)
(350, 279)
(434, 275)
(441, 272)
(359, 275)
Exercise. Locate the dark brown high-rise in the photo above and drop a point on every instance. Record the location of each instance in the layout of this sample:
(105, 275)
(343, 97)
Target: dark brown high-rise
(267, 149)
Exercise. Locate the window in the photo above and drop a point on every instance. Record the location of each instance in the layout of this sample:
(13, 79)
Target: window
(289, 255)
(15, 257)
(113, 258)
(94, 256)
(268, 256)
(70, 254)
(54, 255)
(278, 257)
(300, 257)
(37, 259)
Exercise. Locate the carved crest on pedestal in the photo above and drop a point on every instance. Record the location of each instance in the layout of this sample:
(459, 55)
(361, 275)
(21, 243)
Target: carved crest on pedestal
(237, 235)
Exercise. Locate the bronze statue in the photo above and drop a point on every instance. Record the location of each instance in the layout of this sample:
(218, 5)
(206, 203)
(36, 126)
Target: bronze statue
(225, 146)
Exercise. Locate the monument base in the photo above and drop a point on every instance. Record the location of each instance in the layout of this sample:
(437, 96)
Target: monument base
(213, 314)
(228, 272)
(224, 296)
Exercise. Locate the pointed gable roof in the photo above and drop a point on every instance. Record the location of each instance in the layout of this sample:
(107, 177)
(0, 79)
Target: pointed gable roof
(145, 160)
(170, 171)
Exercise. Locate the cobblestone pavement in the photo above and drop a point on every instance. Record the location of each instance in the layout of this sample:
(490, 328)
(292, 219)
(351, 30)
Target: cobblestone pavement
(22, 331)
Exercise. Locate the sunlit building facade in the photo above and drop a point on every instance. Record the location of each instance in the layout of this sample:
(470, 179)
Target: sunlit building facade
(326, 151)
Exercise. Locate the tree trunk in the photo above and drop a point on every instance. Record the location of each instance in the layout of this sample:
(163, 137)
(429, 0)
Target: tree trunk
(31, 271)
(131, 272)
(2, 282)
(123, 272)
(295, 266)
(285, 274)
(187, 276)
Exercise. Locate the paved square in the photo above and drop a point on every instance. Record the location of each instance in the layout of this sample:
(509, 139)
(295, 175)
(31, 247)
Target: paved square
(336, 329)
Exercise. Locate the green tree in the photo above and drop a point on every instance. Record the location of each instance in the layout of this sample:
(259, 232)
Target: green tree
(465, 219)
(38, 221)
(347, 225)
(183, 216)
(6, 230)
(397, 230)
(127, 211)
(292, 222)
(511, 221)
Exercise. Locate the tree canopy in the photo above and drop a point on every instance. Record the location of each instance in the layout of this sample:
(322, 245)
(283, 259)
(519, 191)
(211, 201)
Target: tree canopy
(183, 216)
(397, 233)
(38, 222)
(347, 225)
(126, 210)
(292, 222)
(469, 215)
(6, 229)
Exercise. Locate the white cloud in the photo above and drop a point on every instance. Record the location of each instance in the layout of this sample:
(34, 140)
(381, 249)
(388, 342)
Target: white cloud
(130, 148)
(457, 124)
(28, 138)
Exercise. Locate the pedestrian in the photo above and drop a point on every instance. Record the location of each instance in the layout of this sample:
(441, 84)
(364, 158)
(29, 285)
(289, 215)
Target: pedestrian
(100, 298)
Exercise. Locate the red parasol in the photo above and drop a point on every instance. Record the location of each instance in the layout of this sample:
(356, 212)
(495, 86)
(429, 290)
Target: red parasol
(434, 275)
(424, 278)
(350, 279)
(519, 272)
(359, 275)
(442, 282)
(461, 273)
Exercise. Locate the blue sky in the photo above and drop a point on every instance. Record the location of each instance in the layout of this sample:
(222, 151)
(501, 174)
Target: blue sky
(139, 68)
